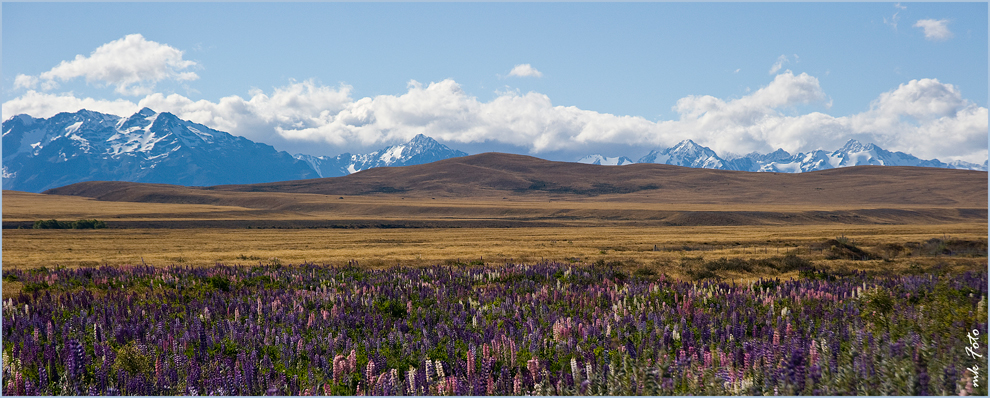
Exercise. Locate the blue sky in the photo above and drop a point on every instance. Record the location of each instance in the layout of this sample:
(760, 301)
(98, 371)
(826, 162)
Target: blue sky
(616, 79)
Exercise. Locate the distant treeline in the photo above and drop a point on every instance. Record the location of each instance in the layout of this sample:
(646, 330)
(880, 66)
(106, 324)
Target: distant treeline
(81, 224)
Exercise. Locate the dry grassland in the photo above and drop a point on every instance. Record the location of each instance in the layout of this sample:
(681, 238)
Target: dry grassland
(627, 247)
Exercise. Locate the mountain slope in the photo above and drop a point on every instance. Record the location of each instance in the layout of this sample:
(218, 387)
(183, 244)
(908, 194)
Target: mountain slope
(40, 154)
(421, 149)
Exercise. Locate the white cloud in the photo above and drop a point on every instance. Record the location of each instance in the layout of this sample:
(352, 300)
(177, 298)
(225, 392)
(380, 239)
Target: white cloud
(779, 64)
(525, 70)
(935, 29)
(132, 64)
(47, 105)
(924, 117)
(25, 81)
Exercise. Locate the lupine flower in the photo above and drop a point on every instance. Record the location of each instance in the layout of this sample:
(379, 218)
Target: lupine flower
(694, 344)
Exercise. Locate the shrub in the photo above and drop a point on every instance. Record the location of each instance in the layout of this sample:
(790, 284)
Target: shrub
(723, 264)
(52, 224)
(81, 224)
(842, 248)
(89, 224)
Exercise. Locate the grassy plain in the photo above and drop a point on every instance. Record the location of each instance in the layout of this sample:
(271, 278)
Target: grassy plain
(631, 248)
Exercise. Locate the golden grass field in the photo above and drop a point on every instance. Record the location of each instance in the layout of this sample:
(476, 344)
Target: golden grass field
(629, 247)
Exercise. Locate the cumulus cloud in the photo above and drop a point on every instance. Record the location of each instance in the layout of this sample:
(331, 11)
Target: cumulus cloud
(25, 81)
(132, 64)
(525, 70)
(925, 117)
(935, 29)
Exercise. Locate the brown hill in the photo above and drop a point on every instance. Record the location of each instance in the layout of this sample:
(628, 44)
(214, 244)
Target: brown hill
(494, 189)
(497, 175)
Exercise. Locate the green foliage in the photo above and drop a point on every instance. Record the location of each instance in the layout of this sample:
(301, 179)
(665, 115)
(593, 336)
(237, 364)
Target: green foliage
(52, 224)
(89, 224)
(218, 282)
(81, 224)
(31, 287)
(391, 309)
(130, 359)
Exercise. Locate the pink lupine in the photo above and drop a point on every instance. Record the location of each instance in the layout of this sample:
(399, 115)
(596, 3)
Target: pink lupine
(369, 373)
(352, 362)
(813, 353)
(382, 378)
(470, 362)
(339, 365)
(512, 349)
(534, 366)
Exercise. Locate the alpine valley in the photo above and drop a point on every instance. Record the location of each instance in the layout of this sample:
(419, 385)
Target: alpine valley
(41, 154)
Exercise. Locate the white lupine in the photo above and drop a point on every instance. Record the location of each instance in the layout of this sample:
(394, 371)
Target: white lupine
(440, 374)
(411, 375)
(575, 371)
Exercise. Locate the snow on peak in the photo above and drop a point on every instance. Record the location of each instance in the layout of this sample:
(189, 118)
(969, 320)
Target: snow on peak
(605, 161)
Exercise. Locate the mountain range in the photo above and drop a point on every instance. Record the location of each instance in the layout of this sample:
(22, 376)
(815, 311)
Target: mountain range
(421, 149)
(40, 154)
(687, 153)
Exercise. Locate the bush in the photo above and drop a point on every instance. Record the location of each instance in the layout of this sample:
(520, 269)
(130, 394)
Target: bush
(52, 224)
(723, 264)
(842, 248)
(81, 224)
(89, 224)
(218, 282)
(949, 247)
(787, 263)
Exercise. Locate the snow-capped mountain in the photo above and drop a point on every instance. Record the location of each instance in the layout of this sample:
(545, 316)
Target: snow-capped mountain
(607, 161)
(40, 154)
(686, 153)
(853, 153)
(420, 150)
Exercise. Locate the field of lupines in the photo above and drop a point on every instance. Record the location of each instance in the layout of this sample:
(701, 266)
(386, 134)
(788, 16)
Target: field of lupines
(508, 330)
